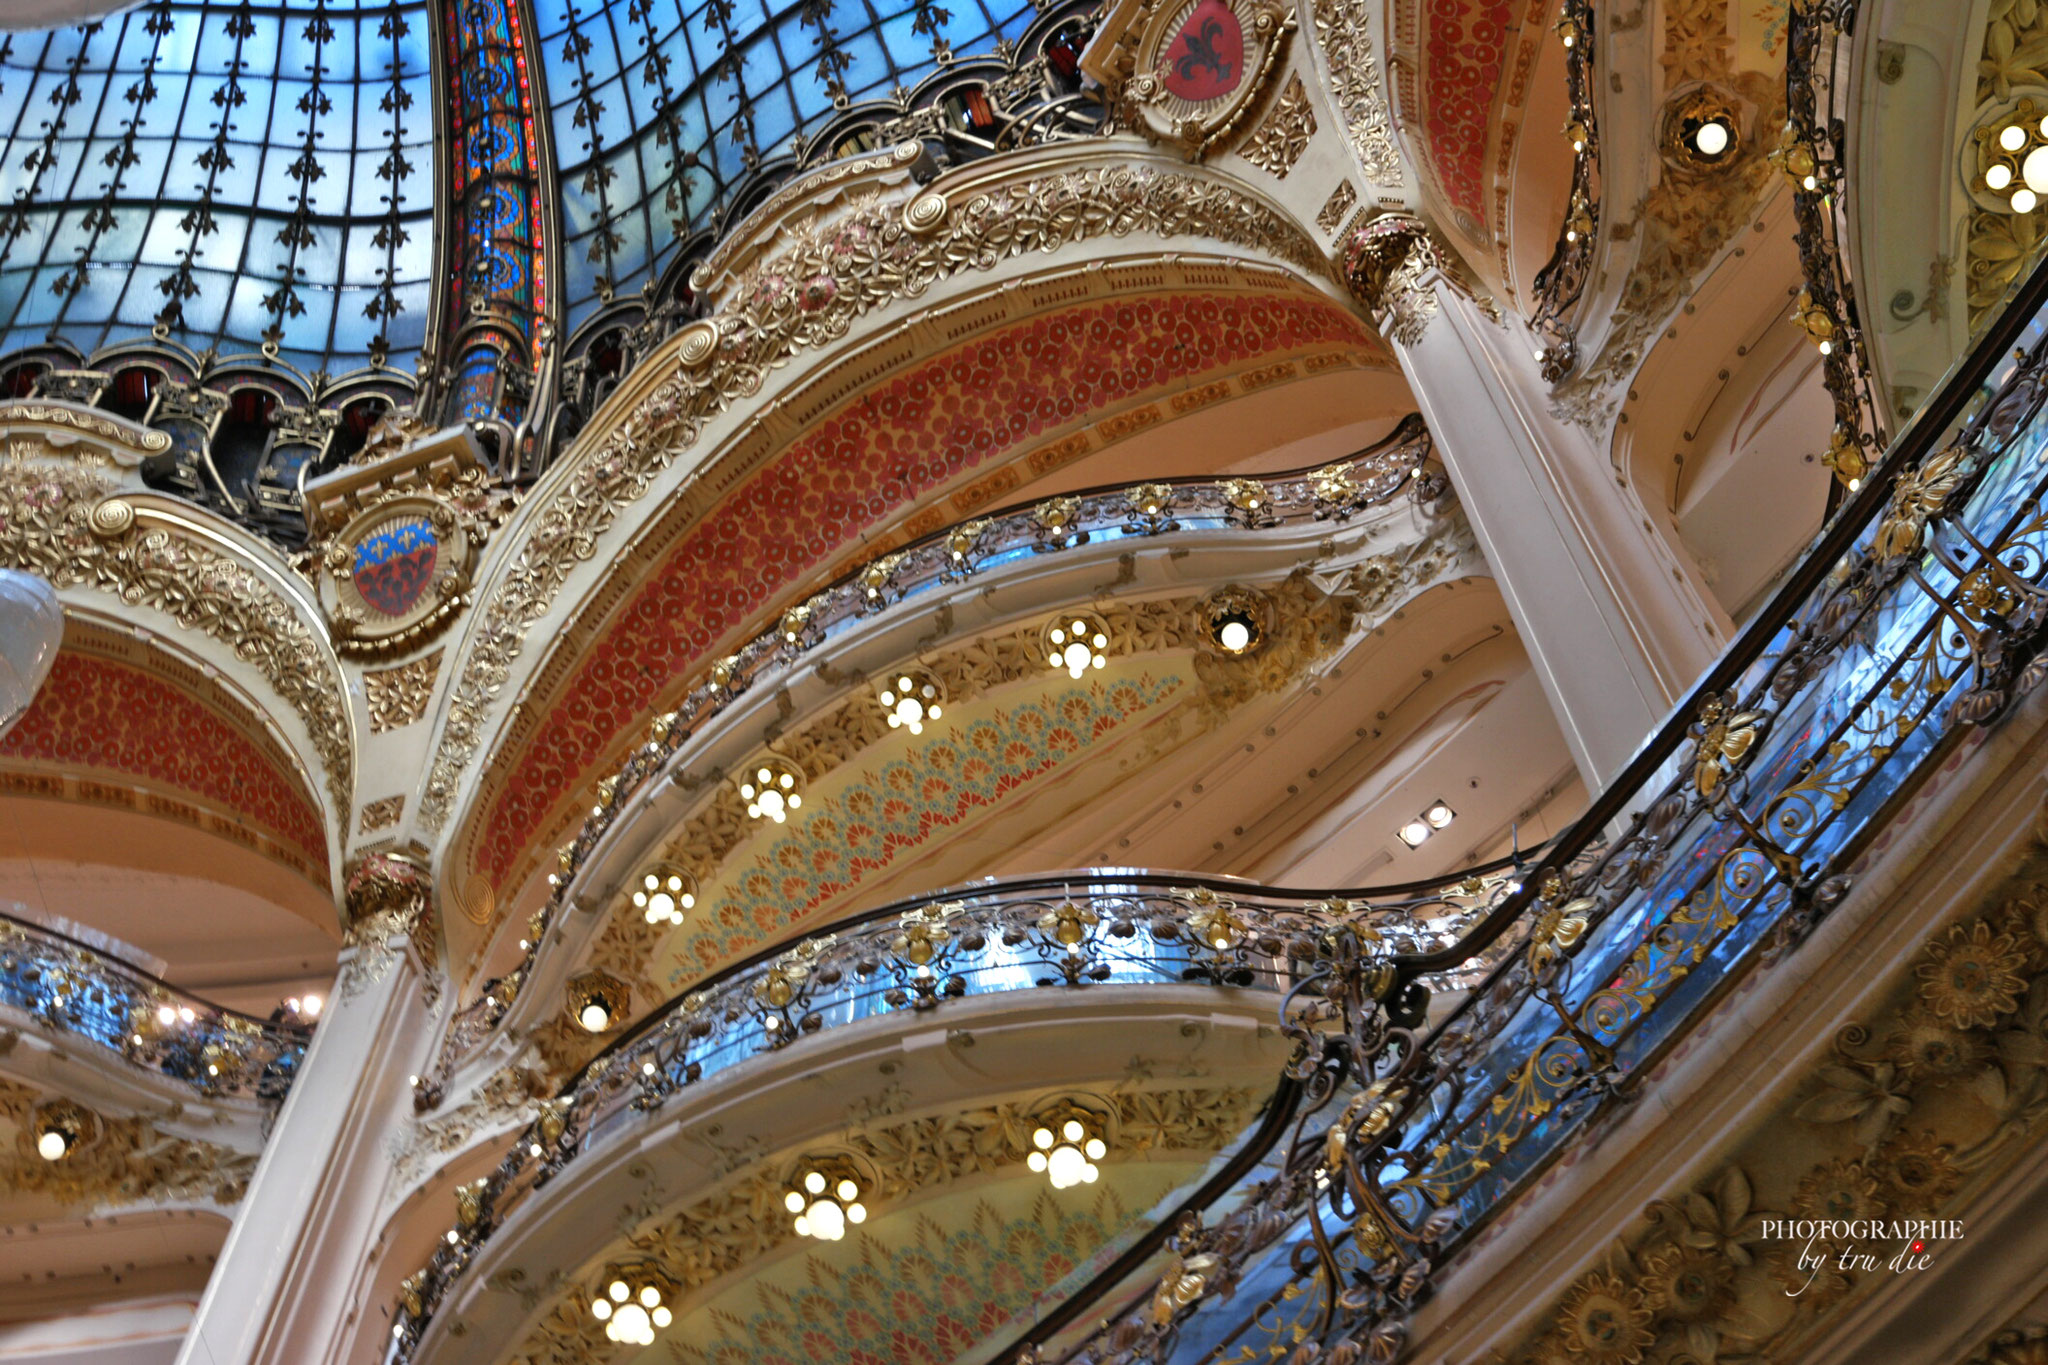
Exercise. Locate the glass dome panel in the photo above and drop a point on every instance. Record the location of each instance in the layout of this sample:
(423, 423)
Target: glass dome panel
(728, 83)
(232, 173)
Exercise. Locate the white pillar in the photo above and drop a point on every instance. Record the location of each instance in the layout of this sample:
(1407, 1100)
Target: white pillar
(283, 1288)
(1617, 626)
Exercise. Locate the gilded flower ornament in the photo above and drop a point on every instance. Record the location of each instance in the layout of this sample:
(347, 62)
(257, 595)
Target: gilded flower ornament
(1212, 917)
(1972, 976)
(1068, 923)
(1722, 738)
(1182, 1284)
(1919, 495)
(1604, 1321)
(1559, 925)
(1333, 483)
(923, 932)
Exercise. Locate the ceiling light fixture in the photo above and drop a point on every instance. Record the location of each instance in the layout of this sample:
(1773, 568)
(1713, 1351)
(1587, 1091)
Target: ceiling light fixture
(1702, 130)
(1434, 817)
(1076, 642)
(911, 698)
(634, 1305)
(1238, 620)
(665, 891)
(596, 1000)
(772, 788)
(825, 1197)
(1066, 1144)
(61, 1127)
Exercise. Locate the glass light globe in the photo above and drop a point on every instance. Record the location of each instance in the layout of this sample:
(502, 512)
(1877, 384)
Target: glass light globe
(847, 1189)
(594, 1016)
(2012, 137)
(631, 1325)
(2034, 170)
(1065, 1166)
(2023, 201)
(856, 1213)
(52, 1146)
(600, 1309)
(1036, 1161)
(1712, 139)
(1095, 1149)
(660, 906)
(1235, 636)
(793, 1201)
(1999, 175)
(1075, 657)
(815, 1182)
(827, 1220)
(649, 1296)
(662, 1317)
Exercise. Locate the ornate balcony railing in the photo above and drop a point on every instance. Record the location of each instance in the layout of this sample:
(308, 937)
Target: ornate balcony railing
(1920, 615)
(1562, 280)
(1087, 931)
(1810, 154)
(71, 988)
(1180, 507)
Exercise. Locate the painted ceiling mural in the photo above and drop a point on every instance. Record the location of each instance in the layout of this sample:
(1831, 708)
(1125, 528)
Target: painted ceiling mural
(895, 807)
(931, 1292)
(100, 717)
(912, 436)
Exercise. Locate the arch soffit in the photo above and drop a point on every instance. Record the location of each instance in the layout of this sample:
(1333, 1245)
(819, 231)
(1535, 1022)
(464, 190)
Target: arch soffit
(747, 413)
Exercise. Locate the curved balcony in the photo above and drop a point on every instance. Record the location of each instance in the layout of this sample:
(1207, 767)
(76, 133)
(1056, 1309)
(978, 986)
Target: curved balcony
(890, 967)
(1177, 512)
(1915, 625)
(86, 995)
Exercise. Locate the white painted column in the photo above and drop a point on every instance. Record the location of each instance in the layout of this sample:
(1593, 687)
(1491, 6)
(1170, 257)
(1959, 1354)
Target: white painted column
(280, 1291)
(1617, 626)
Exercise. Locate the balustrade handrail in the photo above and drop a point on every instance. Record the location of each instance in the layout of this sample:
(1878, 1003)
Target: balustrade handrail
(1332, 490)
(89, 993)
(911, 955)
(1920, 611)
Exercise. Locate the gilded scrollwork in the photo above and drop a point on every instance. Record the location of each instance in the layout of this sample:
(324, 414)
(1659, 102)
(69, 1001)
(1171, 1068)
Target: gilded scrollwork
(869, 258)
(1344, 33)
(48, 525)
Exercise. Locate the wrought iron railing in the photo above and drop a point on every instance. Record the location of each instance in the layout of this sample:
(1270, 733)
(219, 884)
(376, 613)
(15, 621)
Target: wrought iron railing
(69, 987)
(1562, 280)
(1176, 507)
(1920, 614)
(1816, 100)
(1088, 931)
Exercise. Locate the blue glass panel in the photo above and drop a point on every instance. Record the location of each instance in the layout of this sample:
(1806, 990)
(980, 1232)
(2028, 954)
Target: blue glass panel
(207, 161)
(639, 58)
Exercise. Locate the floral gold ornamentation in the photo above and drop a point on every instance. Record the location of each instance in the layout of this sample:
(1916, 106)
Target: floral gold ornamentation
(398, 696)
(112, 518)
(382, 813)
(46, 515)
(1343, 32)
(1723, 739)
(1280, 139)
(1972, 976)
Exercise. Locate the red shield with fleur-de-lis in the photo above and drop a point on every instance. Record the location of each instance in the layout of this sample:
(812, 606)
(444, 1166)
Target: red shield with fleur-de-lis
(1204, 61)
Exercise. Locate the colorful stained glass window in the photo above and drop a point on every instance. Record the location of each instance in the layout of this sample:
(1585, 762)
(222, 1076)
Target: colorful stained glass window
(660, 107)
(233, 173)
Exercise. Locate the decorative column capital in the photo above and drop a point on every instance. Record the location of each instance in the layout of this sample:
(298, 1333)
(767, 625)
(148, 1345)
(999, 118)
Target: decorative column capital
(386, 895)
(1392, 262)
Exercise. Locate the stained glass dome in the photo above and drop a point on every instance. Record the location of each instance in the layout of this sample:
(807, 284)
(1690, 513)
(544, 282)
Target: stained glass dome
(237, 177)
(638, 86)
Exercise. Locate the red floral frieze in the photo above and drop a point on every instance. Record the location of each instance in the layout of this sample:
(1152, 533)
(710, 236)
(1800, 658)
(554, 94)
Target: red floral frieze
(100, 717)
(862, 466)
(1467, 53)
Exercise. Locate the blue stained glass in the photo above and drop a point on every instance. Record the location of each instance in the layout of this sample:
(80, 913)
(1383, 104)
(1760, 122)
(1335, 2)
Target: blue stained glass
(252, 162)
(636, 58)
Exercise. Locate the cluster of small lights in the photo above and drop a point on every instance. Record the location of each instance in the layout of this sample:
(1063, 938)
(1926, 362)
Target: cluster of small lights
(911, 702)
(1068, 1156)
(1076, 646)
(823, 1207)
(1429, 822)
(630, 1317)
(663, 895)
(305, 1006)
(771, 795)
(2018, 157)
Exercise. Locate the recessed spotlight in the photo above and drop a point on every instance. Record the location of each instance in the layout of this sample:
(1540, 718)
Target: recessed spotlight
(1414, 832)
(1438, 815)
